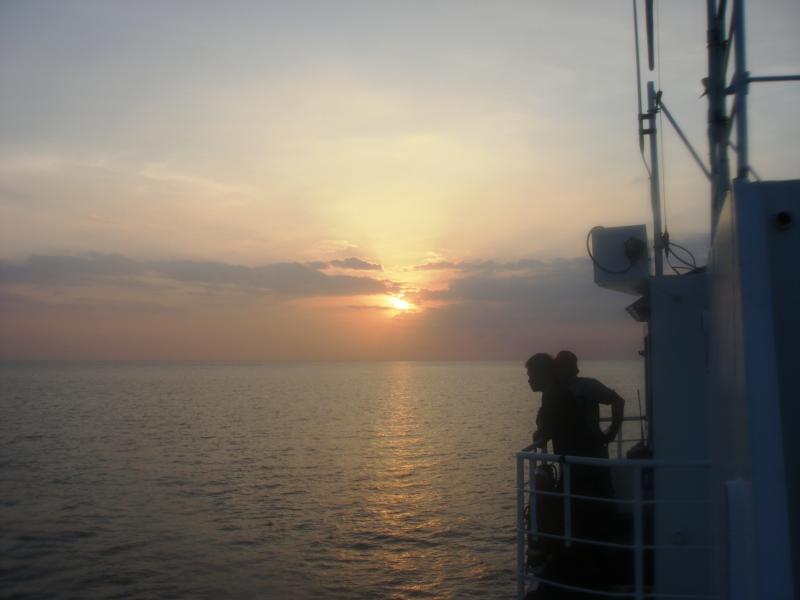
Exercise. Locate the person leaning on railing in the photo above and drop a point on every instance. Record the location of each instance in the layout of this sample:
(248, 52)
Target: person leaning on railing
(570, 416)
(570, 409)
(541, 370)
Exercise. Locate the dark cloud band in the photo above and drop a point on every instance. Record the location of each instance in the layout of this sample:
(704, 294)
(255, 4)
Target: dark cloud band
(289, 279)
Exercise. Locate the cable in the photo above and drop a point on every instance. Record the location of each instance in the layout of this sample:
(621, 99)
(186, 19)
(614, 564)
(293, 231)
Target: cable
(687, 267)
(646, 166)
(680, 269)
(691, 265)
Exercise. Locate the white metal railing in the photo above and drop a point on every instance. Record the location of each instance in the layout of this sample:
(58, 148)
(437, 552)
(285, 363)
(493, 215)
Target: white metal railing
(649, 531)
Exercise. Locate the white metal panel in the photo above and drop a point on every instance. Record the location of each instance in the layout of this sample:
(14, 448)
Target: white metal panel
(680, 414)
(744, 364)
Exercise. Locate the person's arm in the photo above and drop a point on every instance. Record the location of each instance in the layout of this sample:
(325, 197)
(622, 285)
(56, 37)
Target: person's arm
(617, 414)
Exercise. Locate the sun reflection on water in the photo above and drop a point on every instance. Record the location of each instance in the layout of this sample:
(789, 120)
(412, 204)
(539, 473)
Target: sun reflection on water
(403, 519)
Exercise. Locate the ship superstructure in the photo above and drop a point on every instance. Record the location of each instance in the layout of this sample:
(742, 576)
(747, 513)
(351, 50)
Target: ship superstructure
(709, 508)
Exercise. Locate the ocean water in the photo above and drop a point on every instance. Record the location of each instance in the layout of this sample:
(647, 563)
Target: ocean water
(281, 480)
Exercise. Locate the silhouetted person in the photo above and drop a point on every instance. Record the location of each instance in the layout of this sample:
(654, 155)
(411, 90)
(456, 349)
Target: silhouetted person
(593, 519)
(570, 410)
(588, 394)
(542, 378)
(541, 370)
(570, 416)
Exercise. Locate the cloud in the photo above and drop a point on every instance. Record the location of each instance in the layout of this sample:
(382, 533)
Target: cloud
(68, 269)
(559, 289)
(491, 309)
(512, 309)
(356, 264)
(479, 265)
(288, 279)
(441, 265)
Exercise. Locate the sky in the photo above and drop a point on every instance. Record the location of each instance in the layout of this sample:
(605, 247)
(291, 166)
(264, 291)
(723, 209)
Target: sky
(344, 180)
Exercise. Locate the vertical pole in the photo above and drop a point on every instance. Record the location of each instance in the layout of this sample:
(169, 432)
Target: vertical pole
(532, 498)
(567, 504)
(655, 189)
(741, 85)
(520, 527)
(638, 534)
(717, 113)
(638, 78)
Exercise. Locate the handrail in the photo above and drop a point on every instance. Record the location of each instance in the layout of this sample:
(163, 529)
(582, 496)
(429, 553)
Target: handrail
(639, 544)
(610, 594)
(644, 463)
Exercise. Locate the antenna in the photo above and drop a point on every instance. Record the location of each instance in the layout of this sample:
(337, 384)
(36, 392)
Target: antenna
(638, 76)
(648, 13)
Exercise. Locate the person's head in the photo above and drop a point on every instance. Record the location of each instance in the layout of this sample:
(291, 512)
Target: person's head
(566, 364)
(541, 371)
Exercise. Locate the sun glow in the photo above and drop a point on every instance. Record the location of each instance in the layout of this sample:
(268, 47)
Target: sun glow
(400, 304)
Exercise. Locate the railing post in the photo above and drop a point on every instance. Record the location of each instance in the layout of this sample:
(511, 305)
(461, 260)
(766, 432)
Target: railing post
(567, 504)
(520, 526)
(638, 534)
(533, 529)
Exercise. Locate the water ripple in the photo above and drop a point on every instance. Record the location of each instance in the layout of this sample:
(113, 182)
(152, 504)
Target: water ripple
(341, 481)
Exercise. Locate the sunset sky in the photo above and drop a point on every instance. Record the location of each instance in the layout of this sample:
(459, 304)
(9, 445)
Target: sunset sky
(343, 180)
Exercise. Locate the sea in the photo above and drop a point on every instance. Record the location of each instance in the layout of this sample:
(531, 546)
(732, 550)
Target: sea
(265, 480)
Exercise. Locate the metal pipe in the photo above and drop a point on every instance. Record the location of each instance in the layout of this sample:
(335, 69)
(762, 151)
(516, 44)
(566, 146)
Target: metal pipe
(532, 497)
(567, 505)
(684, 139)
(520, 527)
(638, 76)
(618, 546)
(741, 84)
(638, 534)
(655, 188)
(595, 593)
(613, 462)
(717, 118)
(767, 78)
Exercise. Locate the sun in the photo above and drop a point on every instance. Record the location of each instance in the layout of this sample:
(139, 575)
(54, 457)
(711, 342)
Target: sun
(400, 304)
